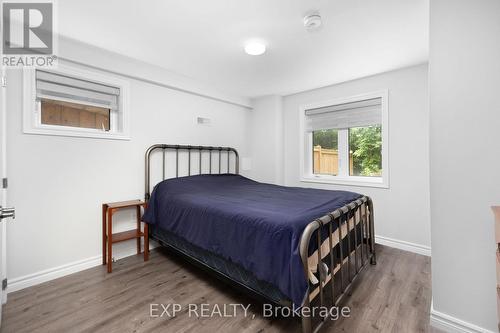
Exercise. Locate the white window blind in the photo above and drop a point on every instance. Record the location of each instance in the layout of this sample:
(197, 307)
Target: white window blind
(347, 115)
(70, 89)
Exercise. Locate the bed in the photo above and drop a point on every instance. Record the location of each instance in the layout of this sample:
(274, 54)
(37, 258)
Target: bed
(289, 246)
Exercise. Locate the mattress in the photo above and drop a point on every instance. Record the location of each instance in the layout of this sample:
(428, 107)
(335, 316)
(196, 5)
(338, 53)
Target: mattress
(255, 225)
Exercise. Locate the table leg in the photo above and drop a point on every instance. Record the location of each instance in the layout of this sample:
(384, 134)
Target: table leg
(138, 210)
(110, 238)
(146, 242)
(104, 208)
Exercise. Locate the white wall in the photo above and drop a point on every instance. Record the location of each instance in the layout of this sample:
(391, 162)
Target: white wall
(465, 157)
(90, 55)
(59, 183)
(402, 211)
(265, 138)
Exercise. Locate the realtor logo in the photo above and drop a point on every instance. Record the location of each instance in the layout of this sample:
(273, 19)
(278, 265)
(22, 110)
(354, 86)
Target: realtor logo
(28, 35)
(27, 28)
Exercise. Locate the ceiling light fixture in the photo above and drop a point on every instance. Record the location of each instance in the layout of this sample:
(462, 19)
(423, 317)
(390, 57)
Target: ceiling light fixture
(255, 48)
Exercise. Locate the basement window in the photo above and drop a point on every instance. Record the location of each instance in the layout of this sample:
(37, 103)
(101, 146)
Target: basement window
(73, 102)
(58, 113)
(345, 141)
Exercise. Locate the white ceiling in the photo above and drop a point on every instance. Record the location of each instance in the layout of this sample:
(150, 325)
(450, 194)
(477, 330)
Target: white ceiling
(204, 39)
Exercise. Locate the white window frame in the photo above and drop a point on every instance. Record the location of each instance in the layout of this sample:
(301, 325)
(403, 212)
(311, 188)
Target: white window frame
(306, 154)
(119, 120)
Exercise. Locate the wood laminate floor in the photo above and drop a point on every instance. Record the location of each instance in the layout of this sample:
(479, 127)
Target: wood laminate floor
(393, 296)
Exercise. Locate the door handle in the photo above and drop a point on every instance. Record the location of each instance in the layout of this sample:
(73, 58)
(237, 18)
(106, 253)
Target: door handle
(6, 212)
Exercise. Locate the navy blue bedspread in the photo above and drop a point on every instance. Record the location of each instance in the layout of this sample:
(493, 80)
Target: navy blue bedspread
(255, 225)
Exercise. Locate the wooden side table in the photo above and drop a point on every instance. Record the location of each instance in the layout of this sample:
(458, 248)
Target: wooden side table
(108, 237)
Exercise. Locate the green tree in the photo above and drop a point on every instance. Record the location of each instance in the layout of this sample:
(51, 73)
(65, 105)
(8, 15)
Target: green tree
(365, 144)
(327, 139)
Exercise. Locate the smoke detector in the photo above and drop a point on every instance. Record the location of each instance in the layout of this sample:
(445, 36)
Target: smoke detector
(312, 21)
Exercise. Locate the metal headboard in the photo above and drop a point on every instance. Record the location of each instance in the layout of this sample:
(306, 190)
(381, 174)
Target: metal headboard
(189, 149)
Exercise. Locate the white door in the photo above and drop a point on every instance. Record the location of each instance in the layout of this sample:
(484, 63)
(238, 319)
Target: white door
(3, 184)
(2, 190)
(4, 212)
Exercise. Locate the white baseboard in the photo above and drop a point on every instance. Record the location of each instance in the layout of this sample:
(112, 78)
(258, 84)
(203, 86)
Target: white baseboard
(450, 324)
(403, 245)
(52, 273)
(33, 279)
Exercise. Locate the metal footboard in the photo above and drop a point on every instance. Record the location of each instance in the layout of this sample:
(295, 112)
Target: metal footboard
(351, 227)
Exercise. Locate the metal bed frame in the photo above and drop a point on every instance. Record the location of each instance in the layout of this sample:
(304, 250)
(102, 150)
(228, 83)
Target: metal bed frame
(354, 234)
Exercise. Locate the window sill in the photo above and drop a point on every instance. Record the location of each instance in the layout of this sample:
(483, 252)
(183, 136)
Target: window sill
(76, 133)
(351, 181)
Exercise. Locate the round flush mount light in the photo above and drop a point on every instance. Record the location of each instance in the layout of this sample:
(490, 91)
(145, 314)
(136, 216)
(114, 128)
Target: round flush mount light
(255, 48)
(312, 21)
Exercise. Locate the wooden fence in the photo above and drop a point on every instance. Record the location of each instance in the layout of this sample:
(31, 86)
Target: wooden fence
(326, 161)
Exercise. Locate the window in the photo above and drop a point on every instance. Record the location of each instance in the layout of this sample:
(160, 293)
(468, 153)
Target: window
(74, 115)
(365, 151)
(325, 152)
(345, 141)
(72, 102)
